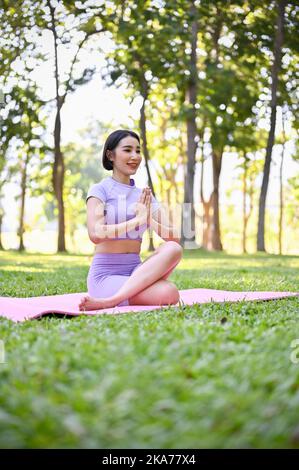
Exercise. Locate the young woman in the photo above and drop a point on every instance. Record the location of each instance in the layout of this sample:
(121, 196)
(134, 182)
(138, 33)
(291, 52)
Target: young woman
(117, 215)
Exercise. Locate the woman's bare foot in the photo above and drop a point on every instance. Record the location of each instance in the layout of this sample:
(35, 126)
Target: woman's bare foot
(92, 303)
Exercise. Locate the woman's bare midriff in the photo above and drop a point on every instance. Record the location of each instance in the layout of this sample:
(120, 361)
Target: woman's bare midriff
(118, 246)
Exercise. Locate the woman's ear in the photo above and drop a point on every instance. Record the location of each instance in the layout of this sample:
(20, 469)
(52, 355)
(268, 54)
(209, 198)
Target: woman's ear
(109, 155)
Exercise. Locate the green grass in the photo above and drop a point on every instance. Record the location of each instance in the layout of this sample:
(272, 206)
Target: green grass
(213, 375)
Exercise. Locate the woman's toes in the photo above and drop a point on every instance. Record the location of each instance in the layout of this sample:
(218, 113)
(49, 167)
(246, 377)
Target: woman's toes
(83, 302)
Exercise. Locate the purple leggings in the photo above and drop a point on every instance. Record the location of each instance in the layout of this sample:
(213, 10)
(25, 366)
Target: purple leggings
(109, 271)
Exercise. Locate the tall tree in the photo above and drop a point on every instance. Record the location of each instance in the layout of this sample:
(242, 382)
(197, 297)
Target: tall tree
(192, 137)
(88, 28)
(71, 27)
(134, 61)
(277, 52)
(228, 90)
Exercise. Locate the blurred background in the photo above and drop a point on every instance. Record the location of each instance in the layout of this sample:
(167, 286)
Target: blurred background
(210, 87)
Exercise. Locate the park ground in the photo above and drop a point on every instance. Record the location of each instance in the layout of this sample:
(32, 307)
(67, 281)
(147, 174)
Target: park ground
(202, 376)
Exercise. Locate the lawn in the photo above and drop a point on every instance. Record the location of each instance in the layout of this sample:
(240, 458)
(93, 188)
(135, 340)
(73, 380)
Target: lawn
(206, 376)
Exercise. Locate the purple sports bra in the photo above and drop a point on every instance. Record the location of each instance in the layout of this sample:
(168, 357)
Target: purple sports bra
(120, 200)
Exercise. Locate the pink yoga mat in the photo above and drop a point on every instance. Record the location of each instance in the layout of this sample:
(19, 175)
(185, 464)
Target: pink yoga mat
(19, 309)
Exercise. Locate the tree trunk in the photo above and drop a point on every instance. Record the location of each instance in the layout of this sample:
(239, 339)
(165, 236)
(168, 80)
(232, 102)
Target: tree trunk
(207, 224)
(58, 168)
(281, 207)
(244, 204)
(188, 212)
(274, 74)
(216, 236)
(206, 205)
(216, 152)
(58, 182)
(23, 196)
(142, 124)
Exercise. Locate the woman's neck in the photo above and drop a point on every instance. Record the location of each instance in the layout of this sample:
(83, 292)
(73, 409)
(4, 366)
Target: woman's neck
(121, 178)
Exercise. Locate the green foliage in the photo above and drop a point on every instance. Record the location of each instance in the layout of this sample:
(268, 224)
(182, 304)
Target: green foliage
(152, 57)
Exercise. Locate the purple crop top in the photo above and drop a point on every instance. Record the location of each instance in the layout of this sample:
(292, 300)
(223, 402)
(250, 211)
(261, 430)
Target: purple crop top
(119, 200)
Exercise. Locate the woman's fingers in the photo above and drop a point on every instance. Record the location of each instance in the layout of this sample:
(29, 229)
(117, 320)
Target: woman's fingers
(145, 198)
(147, 195)
(145, 192)
(142, 196)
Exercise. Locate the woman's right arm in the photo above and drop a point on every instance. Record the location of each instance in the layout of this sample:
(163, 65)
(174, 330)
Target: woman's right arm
(98, 231)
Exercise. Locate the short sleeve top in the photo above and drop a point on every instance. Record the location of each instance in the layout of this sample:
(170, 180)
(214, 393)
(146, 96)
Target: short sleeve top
(119, 202)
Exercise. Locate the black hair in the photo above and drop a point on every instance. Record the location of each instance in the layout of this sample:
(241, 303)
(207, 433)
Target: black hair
(112, 141)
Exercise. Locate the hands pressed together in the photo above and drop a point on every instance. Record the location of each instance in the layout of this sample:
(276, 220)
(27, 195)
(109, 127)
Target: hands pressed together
(143, 206)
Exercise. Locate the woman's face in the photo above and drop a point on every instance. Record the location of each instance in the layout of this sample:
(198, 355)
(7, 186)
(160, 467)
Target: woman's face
(127, 157)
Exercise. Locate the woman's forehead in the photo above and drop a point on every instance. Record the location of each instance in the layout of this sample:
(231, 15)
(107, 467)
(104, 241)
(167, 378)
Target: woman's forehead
(129, 142)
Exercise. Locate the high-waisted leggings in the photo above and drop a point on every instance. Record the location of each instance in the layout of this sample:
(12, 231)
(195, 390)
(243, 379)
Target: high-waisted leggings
(109, 271)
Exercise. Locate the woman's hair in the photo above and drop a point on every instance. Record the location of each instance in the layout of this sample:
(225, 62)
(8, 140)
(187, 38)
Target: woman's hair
(112, 141)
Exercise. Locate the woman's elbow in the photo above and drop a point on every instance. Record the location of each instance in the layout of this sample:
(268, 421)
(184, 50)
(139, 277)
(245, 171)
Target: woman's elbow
(94, 237)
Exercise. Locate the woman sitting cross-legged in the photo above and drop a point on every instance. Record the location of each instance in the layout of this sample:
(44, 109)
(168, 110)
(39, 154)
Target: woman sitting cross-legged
(117, 276)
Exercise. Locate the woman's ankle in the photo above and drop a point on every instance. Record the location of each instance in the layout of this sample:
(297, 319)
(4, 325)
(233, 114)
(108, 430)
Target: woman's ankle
(114, 300)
